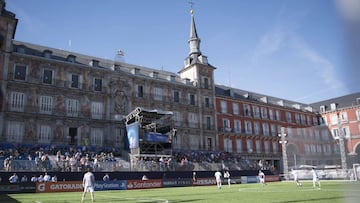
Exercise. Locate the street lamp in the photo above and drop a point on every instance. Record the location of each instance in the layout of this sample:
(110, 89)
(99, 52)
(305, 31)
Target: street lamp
(341, 137)
(283, 142)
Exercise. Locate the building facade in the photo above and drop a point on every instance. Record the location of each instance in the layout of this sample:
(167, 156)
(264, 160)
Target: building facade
(250, 124)
(52, 96)
(342, 117)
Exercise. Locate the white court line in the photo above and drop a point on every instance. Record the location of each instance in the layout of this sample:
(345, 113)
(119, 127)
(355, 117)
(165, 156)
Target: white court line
(138, 199)
(276, 190)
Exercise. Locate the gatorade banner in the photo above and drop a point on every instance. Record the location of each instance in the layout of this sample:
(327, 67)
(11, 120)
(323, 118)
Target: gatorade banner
(63, 186)
(133, 135)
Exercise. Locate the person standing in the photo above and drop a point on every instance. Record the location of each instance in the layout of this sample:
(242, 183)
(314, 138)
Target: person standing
(227, 176)
(14, 178)
(261, 176)
(316, 180)
(194, 177)
(296, 178)
(218, 179)
(88, 184)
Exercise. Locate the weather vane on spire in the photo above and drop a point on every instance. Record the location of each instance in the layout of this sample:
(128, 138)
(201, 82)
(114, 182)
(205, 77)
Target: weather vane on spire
(191, 7)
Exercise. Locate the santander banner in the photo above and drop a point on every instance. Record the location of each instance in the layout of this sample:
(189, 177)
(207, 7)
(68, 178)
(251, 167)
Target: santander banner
(66, 186)
(143, 184)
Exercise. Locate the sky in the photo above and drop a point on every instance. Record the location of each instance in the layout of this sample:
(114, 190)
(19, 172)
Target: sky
(305, 51)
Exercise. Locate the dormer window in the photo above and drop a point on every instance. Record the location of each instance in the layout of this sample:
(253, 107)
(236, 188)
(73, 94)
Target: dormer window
(71, 58)
(333, 106)
(322, 109)
(47, 53)
(135, 71)
(155, 74)
(94, 63)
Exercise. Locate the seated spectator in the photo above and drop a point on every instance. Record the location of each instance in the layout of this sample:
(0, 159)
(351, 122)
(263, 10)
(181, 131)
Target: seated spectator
(144, 177)
(24, 179)
(14, 178)
(54, 179)
(106, 177)
(40, 178)
(33, 179)
(47, 177)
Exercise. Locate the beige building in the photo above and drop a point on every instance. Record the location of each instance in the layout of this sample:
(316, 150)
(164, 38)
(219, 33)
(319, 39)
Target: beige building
(52, 96)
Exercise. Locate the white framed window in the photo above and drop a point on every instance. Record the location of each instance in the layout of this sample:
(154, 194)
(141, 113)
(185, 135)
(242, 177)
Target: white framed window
(97, 84)
(273, 130)
(118, 136)
(20, 72)
(275, 146)
(288, 117)
(46, 104)
(267, 146)
(17, 101)
(302, 119)
(247, 111)
(223, 106)
(248, 128)
(177, 118)
(264, 113)
(75, 81)
(256, 111)
(256, 128)
(192, 99)
(236, 110)
(44, 134)
(158, 93)
(48, 76)
(15, 131)
(97, 110)
(249, 145)
(207, 102)
(237, 126)
(271, 114)
(193, 120)
(297, 118)
(139, 91)
(278, 115)
(239, 147)
(307, 148)
(358, 114)
(226, 125)
(208, 122)
(228, 145)
(176, 96)
(343, 117)
(258, 146)
(97, 136)
(334, 119)
(72, 107)
(265, 129)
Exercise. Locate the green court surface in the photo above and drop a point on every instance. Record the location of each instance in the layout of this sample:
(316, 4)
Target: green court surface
(279, 192)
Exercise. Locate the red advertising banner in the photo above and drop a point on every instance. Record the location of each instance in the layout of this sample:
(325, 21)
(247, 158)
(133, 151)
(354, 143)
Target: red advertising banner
(143, 184)
(64, 186)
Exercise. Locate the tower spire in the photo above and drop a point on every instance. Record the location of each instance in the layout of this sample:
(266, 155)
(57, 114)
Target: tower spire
(194, 41)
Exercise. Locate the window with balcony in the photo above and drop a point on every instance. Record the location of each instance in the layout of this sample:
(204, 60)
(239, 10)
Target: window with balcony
(140, 91)
(258, 146)
(223, 106)
(17, 101)
(239, 148)
(98, 84)
(288, 117)
(256, 128)
(15, 132)
(207, 102)
(46, 104)
(249, 145)
(247, 111)
(297, 118)
(236, 110)
(267, 146)
(226, 125)
(206, 83)
(20, 72)
(256, 112)
(275, 146)
(75, 81)
(264, 113)
(97, 110)
(192, 99)
(248, 128)
(158, 94)
(265, 129)
(48, 76)
(193, 120)
(271, 114)
(208, 122)
(44, 134)
(97, 136)
(176, 96)
(72, 107)
(278, 115)
(237, 126)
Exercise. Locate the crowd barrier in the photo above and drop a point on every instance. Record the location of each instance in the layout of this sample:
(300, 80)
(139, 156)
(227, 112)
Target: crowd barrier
(76, 186)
